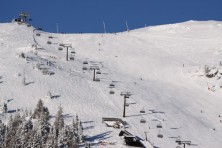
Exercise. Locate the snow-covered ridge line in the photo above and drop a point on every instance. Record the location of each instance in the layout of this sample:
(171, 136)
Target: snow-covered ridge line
(155, 64)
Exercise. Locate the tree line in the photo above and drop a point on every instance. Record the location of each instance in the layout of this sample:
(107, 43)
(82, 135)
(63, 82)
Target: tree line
(27, 130)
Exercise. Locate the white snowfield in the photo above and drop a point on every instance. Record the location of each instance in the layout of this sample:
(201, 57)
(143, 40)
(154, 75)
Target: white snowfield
(158, 65)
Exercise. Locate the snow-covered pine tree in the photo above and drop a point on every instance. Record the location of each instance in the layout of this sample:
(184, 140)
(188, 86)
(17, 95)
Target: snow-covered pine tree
(59, 121)
(71, 137)
(38, 110)
(2, 133)
(77, 125)
(13, 132)
(61, 138)
(76, 129)
(80, 134)
(52, 139)
(66, 137)
(26, 132)
(41, 111)
(22, 131)
(37, 140)
(43, 130)
(32, 140)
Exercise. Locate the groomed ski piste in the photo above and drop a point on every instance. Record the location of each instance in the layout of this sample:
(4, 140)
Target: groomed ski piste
(158, 65)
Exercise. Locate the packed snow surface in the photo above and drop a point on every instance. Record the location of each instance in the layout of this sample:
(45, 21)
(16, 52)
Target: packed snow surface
(161, 66)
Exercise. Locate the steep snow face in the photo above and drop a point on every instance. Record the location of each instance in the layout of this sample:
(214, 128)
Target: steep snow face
(158, 65)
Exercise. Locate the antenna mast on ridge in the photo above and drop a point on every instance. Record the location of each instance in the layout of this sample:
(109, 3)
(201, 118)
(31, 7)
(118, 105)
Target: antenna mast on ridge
(104, 25)
(127, 27)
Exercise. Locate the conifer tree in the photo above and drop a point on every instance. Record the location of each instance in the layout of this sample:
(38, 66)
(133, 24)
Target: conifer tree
(22, 131)
(59, 121)
(41, 112)
(38, 110)
(2, 132)
(12, 135)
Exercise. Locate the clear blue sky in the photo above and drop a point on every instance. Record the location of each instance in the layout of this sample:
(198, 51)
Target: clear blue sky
(87, 15)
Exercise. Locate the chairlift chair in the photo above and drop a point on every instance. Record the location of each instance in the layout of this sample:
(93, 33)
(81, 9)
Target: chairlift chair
(127, 104)
(38, 34)
(97, 79)
(49, 42)
(112, 85)
(85, 62)
(142, 120)
(142, 110)
(111, 92)
(160, 135)
(178, 140)
(60, 48)
(159, 126)
(84, 68)
(72, 58)
(98, 72)
(50, 37)
(73, 52)
(50, 73)
(61, 44)
(126, 96)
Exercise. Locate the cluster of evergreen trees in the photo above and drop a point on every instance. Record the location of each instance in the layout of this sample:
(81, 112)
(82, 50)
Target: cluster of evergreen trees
(29, 130)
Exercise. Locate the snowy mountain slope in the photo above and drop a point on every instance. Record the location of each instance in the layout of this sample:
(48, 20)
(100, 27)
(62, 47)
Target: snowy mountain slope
(155, 64)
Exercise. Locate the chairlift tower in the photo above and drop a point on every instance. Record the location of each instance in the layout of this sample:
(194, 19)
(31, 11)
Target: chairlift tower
(67, 46)
(125, 95)
(94, 68)
(183, 142)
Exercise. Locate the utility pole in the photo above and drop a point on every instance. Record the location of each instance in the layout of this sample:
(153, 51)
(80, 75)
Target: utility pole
(127, 27)
(67, 49)
(67, 53)
(57, 28)
(104, 25)
(125, 95)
